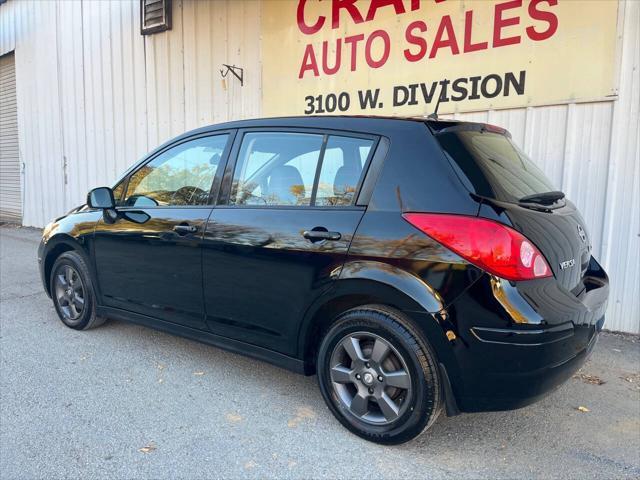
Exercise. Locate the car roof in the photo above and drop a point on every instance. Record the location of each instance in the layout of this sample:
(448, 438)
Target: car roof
(346, 122)
(365, 124)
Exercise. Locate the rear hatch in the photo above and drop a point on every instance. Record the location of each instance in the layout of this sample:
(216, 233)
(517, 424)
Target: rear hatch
(497, 172)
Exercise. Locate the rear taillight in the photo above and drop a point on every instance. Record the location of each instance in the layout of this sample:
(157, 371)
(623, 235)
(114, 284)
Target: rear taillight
(489, 245)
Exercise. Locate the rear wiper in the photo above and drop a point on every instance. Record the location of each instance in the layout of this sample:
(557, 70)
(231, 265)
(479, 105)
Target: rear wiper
(546, 198)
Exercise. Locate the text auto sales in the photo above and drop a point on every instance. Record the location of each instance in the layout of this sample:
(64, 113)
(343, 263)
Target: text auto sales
(420, 44)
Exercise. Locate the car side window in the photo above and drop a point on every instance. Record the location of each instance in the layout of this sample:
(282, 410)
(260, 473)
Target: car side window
(276, 168)
(118, 190)
(342, 166)
(182, 175)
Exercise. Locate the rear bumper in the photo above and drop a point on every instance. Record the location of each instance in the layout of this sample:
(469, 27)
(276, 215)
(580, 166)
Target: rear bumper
(536, 370)
(516, 342)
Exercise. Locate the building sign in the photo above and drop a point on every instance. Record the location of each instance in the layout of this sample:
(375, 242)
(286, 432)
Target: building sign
(403, 56)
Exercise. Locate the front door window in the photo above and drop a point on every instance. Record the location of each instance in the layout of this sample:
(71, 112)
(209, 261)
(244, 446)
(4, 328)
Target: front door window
(178, 177)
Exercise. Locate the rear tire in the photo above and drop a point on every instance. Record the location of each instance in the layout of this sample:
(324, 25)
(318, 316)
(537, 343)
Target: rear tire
(73, 293)
(379, 375)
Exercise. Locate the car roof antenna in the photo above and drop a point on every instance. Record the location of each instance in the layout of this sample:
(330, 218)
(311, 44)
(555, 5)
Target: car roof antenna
(434, 115)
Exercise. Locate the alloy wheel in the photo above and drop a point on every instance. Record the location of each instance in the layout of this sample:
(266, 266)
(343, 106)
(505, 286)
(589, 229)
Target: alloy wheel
(69, 292)
(370, 378)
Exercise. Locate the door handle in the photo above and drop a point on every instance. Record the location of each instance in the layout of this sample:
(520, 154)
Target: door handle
(183, 229)
(319, 235)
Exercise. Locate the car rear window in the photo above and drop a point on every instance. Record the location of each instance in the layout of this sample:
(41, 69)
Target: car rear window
(492, 164)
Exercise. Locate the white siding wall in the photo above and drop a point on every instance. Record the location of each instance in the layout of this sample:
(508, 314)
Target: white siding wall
(94, 95)
(10, 177)
(621, 229)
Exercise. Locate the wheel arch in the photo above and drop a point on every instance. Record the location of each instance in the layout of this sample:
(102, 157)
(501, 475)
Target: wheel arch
(367, 282)
(56, 246)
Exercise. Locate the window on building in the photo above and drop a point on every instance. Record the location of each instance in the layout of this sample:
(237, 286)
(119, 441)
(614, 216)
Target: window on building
(155, 16)
(182, 175)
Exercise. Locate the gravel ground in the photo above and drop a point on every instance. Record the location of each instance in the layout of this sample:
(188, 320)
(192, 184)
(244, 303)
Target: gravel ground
(123, 401)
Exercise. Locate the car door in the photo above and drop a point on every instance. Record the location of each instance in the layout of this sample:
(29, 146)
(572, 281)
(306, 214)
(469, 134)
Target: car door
(148, 259)
(281, 231)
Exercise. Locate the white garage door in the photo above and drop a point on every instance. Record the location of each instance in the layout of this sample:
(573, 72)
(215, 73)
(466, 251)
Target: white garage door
(10, 192)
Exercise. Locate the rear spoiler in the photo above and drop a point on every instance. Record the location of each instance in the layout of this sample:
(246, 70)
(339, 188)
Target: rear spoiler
(441, 127)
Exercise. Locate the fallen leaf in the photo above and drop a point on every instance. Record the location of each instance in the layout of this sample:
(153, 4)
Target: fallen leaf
(198, 373)
(234, 417)
(591, 379)
(250, 464)
(303, 413)
(582, 409)
(631, 377)
(148, 448)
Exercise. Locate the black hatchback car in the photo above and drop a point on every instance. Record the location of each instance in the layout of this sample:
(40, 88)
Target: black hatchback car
(415, 265)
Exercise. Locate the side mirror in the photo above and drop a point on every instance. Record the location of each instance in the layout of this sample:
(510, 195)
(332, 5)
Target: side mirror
(101, 197)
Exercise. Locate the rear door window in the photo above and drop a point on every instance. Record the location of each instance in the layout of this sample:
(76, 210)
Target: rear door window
(298, 169)
(276, 168)
(342, 166)
(493, 165)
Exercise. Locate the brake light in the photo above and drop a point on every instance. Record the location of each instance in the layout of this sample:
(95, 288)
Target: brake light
(489, 245)
(494, 129)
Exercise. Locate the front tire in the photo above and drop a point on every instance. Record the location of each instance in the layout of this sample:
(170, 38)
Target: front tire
(73, 293)
(378, 375)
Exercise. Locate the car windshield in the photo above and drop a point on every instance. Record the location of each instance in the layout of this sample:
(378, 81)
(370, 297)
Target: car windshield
(493, 165)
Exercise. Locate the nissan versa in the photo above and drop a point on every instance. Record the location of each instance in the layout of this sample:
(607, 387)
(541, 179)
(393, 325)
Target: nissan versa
(415, 265)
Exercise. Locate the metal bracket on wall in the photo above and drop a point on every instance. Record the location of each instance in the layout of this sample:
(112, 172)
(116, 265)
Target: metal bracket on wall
(236, 71)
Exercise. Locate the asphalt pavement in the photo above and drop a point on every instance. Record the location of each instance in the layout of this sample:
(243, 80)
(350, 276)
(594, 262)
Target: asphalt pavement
(124, 401)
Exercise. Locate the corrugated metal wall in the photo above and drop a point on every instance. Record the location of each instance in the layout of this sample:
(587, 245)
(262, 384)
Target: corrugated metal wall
(94, 95)
(621, 230)
(10, 178)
